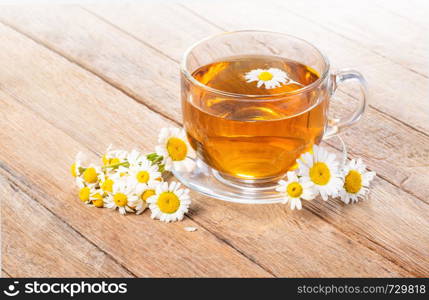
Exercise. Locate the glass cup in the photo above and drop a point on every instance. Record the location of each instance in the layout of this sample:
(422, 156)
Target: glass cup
(250, 139)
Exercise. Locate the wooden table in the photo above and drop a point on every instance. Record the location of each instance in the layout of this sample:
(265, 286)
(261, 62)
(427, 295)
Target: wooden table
(81, 77)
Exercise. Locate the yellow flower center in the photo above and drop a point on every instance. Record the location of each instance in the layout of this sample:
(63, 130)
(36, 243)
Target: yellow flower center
(142, 176)
(107, 185)
(97, 200)
(90, 175)
(120, 199)
(73, 169)
(265, 76)
(84, 194)
(114, 161)
(146, 194)
(320, 173)
(177, 149)
(353, 182)
(168, 202)
(110, 161)
(294, 189)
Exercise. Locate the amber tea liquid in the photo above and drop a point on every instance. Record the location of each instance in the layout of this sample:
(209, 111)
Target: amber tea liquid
(257, 137)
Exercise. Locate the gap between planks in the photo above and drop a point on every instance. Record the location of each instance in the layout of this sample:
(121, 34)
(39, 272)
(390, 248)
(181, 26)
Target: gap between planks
(6, 273)
(136, 98)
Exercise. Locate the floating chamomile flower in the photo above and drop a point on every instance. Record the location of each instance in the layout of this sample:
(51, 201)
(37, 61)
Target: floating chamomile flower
(169, 203)
(321, 169)
(295, 189)
(356, 181)
(271, 78)
(175, 149)
(122, 197)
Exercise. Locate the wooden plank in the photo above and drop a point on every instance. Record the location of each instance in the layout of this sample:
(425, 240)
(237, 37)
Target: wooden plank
(371, 27)
(144, 246)
(35, 242)
(386, 132)
(290, 236)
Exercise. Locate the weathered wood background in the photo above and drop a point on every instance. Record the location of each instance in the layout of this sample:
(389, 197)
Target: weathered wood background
(80, 77)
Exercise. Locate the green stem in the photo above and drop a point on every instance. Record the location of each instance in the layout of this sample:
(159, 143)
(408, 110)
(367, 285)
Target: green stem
(152, 156)
(157, 160)
(125, 163)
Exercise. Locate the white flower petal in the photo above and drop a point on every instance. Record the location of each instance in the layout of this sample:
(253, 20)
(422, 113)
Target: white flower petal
(292, 176)
(190, 229)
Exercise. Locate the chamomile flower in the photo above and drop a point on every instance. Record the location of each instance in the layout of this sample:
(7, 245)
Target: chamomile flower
(176, 150)
(356, 181)
(295, 189)
(321, 169)
(91, 174)
(85, 190)
(144, 191)
(144, 173)
(122, 197)
(271, 78)
(147, 190)
(169, 203)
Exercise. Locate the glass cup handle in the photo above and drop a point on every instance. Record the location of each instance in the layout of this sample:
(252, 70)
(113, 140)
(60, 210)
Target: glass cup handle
(336, 125)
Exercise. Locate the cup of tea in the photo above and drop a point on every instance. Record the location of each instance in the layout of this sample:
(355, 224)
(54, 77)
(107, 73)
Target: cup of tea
(254, 101)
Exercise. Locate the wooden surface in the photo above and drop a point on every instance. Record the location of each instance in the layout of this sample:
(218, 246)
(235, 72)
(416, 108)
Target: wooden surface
(80, 77)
